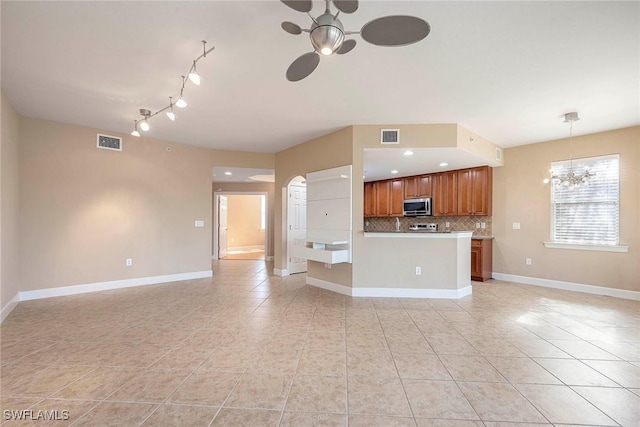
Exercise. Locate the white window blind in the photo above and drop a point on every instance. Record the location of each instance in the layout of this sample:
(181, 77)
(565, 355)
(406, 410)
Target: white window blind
(587, 213)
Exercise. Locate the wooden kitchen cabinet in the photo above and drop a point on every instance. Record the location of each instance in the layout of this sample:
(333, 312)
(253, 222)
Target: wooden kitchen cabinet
(474, 191)
(369, 199)
(382, 191)
(445, 198)
(481, 259)
(383, 198)
(416, 187)
(396, 197)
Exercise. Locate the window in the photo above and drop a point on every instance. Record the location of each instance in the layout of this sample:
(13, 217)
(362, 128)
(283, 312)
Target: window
(587, 214)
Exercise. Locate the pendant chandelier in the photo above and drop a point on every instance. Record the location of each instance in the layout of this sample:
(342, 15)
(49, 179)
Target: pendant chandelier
(573, 177)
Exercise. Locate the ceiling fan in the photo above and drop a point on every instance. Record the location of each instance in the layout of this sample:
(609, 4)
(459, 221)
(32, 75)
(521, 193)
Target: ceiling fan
(328, 35)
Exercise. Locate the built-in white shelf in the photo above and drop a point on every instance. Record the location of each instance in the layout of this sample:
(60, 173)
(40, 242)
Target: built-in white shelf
(329, 222)
(327, 255)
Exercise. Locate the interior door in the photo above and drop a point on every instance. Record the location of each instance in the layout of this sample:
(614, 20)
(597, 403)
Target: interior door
(222, 226)
(296, 226)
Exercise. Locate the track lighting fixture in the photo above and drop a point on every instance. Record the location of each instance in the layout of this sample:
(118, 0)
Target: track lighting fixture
(135, 129)
(170, 113)
(144, 125)
(194, 77)
(181, 102)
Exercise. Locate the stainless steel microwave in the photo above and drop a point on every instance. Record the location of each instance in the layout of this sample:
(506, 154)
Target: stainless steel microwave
(417, 207)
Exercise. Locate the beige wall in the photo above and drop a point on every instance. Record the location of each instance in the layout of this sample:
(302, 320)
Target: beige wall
(85, 210)
(244, 221)
(328, 151)
(242, 159)
(9, 204)
(519, 195)
(254, 187)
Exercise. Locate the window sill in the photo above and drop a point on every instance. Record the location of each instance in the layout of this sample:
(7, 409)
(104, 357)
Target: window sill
(576, 246)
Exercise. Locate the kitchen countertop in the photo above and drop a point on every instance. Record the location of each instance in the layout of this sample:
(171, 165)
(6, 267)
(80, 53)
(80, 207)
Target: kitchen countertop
(482, 237)
(419, 234)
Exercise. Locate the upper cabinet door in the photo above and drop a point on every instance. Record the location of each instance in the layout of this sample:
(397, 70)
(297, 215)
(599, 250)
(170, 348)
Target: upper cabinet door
(397, 197)
(417, 186)
(445, 194)
(474, 191)
(465, 191)
(482, 190)
(425, 187)
(383, 196)
(411, 187)
(369, 199)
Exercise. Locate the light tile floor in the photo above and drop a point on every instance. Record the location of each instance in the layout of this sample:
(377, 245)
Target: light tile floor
(250, 348)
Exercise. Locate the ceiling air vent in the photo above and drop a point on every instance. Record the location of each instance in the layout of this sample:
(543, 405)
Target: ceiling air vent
(389, 136)
(109, 142)
(498, 153)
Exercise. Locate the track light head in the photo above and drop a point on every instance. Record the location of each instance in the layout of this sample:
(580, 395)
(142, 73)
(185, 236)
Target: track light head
(144, 125)
(181, 103)
(135, 129)
(170, 113)
(194, 76)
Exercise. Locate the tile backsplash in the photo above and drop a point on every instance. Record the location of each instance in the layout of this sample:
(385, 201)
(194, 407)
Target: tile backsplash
(456, 223)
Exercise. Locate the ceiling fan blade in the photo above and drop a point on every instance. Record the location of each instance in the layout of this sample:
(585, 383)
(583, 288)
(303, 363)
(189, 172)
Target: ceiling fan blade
(299, 5)
(303, 66)
(291, 28)
(346, 6)
(395, 30)
(347, 46)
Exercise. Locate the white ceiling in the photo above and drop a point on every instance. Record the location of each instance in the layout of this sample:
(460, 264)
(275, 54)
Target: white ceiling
(229, 174)
(506, 70)
(379, 162)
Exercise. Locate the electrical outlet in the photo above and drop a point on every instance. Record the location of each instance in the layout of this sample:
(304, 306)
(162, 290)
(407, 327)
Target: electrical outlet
(418, 271)
(477, 225)
(516, 226)
(327, 266)
(447, 224)
(483, 225)
(528, 261)
(128, 262)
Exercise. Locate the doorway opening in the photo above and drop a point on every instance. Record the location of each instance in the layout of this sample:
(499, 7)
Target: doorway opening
(296, 223)
(240, 225)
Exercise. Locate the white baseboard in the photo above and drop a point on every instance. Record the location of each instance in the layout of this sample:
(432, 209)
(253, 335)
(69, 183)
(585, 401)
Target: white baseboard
(330, 286)
(279, 272)
(569, 286)
(390, 292)
(115, 284)
(246, 248)
(8, 308)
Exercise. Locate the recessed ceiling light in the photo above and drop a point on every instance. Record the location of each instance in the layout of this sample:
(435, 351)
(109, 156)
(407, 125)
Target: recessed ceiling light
(408, 153)
(443, 164)
(394, 171)
(228, 173)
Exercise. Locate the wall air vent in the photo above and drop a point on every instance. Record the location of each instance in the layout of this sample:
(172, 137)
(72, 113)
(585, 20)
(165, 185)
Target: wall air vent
(389, 136)
(109, 142)
(498, 153)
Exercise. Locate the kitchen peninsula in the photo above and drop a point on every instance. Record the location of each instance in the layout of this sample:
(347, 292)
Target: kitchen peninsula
(417, 264)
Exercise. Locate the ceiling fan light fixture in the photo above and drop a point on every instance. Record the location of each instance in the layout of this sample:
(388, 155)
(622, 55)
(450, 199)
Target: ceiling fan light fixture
(327, 34)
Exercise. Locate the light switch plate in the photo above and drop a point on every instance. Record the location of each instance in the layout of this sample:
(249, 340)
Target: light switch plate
(516, 226)
(199, 223)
